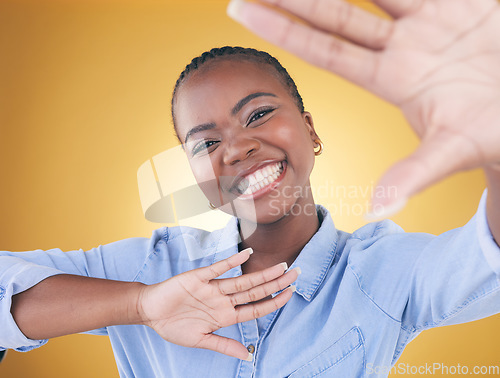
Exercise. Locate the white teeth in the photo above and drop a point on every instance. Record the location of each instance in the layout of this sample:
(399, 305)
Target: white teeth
(258, 179)
(252, 180)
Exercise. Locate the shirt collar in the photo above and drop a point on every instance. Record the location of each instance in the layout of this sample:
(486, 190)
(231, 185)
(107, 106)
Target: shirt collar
(316, 257)
(314, 260)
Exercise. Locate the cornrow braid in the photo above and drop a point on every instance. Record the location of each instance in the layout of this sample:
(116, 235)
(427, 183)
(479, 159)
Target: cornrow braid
(238, 53)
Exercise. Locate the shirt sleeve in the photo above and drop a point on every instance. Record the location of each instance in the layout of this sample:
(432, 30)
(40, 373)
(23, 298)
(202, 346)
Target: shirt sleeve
(20, 271)
(456, 278)
(425, 281)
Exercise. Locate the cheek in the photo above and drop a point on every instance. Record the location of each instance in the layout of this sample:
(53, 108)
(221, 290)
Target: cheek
(204, 166)
(294, 138)
(202, 169)
(210, 181)
(206, 177)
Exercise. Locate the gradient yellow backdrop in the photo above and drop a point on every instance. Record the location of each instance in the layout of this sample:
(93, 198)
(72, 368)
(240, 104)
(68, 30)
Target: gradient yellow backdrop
(84, 100)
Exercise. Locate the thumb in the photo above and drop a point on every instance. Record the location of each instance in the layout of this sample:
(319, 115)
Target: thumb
(437, 156)
(225, 346)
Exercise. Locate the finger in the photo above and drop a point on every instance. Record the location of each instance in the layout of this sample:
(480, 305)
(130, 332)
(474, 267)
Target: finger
(437, 157)
(215, 270)
(341, 18)
(247, 281)
(399, 8)
(355, 63)
(264, 290)
(251, 311)
(225, 346)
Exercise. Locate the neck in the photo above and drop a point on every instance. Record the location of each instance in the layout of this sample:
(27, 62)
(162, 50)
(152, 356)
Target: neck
(280, 241)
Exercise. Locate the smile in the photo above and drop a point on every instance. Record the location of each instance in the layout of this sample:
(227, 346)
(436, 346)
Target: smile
(261, 179)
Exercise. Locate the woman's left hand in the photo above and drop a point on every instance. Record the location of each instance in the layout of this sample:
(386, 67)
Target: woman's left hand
(438, 60)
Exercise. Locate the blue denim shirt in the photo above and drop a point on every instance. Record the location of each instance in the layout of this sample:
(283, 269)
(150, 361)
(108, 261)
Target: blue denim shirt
(360, 299)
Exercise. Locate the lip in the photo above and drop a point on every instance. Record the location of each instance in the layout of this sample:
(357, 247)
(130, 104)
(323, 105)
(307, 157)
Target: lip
(247, 171)
(264, 190)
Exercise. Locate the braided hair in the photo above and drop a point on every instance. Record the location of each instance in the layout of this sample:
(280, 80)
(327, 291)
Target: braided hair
(238, 53)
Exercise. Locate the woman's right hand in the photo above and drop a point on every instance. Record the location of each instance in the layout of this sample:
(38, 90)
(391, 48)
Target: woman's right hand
(186, 309)
(437, 60)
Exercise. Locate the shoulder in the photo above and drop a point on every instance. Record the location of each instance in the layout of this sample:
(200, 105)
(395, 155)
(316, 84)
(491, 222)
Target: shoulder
(174, 250)
(382, 258)
(385, 238)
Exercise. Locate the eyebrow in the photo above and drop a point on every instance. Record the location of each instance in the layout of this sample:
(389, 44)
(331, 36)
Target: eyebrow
(199, 128)
(245, 100)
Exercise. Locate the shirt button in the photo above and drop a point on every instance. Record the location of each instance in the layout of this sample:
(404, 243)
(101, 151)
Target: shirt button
(251, 348)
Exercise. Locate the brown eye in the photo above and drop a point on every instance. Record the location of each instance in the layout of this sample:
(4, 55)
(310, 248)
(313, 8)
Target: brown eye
(258, 114)
(203, 146)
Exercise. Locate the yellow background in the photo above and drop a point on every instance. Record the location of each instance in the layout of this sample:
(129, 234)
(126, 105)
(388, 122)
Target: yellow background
(84, 100)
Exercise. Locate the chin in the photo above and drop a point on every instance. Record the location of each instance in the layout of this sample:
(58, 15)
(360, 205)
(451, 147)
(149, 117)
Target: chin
(261, 212)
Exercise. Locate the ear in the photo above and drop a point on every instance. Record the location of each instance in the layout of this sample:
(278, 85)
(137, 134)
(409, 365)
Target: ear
(308, 122)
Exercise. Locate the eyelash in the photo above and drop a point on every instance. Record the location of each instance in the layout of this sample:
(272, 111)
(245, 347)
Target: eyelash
(203, 145)
(255, 116)
(260, 113)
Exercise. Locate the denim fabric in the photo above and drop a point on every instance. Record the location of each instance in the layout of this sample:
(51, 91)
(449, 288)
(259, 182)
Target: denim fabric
(360, 299)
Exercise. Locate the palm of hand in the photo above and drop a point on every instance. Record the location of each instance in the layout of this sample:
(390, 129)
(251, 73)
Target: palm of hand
(187, 308)
(436, 59)
(444, 76)
(204, 309)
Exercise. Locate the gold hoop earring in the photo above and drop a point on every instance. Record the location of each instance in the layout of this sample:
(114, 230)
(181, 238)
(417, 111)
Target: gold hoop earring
(211, 206)
(320, 143)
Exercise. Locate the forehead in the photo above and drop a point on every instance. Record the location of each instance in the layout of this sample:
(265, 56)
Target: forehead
(225, 74)
(212, 90)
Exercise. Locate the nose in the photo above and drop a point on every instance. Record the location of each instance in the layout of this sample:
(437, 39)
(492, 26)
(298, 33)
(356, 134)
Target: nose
(239, 149)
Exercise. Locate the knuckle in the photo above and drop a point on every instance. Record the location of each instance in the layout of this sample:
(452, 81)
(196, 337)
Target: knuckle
(284, 37)
(251, 281)
(213, 270)
(219, 345)
(239, 317)
(314, 9)
(334, 51)
(280, 285)
(280, 300)
(252, 295)
(228, 264)
(263, 277)
(238, 286)
(383, 32)
(233, 300)
(343, 16)
(221, 287)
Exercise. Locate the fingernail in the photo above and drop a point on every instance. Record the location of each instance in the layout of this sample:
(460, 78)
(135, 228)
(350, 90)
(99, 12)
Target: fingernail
(293, 288)
(299, 271)
(284, 265)
(250, 250)
(249, 358)
(380, 211)
(234, 9)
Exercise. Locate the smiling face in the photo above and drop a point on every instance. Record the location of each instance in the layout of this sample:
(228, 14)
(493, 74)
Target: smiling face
(245, 138)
